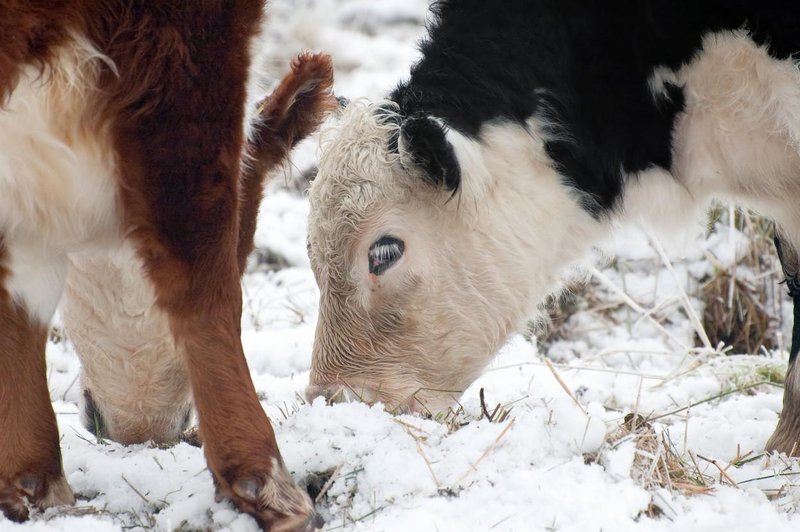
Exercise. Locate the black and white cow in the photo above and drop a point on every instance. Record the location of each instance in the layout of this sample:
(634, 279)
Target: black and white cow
(441, 217)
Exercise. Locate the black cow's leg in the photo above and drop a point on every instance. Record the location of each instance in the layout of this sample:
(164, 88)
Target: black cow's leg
(786, 437)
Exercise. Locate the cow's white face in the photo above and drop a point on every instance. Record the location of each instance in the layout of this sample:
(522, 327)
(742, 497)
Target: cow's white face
(420, 286)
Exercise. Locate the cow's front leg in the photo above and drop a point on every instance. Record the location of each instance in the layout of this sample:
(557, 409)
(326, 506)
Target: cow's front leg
(30, 458)
(203, 301)
(786, 437)
(181, 212)
(178, 134)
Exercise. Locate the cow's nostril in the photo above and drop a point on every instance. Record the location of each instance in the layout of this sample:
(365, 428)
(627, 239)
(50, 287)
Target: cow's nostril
(331, 393)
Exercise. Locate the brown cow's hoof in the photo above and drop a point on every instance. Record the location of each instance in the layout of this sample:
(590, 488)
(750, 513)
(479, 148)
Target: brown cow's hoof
(276, 502)
(15, 497)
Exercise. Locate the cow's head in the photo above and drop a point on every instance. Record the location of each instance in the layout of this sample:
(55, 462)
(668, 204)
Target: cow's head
(423, 265)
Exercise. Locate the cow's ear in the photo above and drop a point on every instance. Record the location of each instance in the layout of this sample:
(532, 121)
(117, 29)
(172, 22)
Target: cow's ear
(423, 144)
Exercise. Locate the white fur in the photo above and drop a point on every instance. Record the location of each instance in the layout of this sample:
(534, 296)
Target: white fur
(658, 82)
(36, 278)
(57, 191)
(131, 364)
(259, 78)
(737, 140)
(469, 154)
(657, 201)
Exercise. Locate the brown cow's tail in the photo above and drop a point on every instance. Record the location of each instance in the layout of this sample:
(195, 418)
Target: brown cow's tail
(293, 111)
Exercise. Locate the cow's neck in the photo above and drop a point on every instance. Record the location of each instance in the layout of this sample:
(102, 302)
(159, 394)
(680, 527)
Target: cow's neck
(518, 209)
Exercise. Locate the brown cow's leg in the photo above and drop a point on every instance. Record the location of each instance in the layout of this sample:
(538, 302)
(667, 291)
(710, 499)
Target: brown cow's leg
(30, 458)
(240, 447)
(288, 115)
(786, 437)
(179, 139)
(176, 105)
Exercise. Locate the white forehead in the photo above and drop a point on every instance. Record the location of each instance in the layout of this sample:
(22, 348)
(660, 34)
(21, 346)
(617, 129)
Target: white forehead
(357, 170)
(355, 149)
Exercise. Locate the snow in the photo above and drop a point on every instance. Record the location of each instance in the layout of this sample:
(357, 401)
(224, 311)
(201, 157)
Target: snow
(547, 465)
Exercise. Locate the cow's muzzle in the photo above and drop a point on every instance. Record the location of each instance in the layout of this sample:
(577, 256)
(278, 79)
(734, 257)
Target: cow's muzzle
(341, 393)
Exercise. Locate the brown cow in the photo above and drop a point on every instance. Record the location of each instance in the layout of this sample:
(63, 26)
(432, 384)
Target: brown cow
(123, 149)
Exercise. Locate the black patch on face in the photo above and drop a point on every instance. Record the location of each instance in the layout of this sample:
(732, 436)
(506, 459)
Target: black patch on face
(384, 253)
(582, 67)
(387, 114)
(424, 140)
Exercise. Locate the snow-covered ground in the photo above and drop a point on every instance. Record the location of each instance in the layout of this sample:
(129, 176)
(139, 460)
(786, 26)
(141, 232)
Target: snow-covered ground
(557, 461)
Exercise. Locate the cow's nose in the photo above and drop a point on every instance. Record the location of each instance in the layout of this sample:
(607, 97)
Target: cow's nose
(339, 393)
(331, 393)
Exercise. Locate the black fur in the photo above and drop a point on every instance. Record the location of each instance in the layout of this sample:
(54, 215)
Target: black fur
(424, 140)
(94, 419)
(790, 263)
(387, 114)
(583, 67)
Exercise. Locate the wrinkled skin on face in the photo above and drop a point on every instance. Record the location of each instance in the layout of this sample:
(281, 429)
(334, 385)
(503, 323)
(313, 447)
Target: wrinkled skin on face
(419, 285)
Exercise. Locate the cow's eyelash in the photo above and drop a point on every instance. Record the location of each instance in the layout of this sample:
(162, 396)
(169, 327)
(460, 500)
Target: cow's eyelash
(383, 253)
(386, 252)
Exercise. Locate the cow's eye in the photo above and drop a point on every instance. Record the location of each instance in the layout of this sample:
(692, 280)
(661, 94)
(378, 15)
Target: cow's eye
(384, 252)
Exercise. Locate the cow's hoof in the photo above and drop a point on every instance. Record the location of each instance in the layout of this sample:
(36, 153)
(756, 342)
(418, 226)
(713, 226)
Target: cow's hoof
(41, 492)
(785, 439)
(276, 502)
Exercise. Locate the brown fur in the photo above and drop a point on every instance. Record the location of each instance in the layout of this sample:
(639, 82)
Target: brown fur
(30, 460)
(287, 116)
(173, 103)
(179, 135)
(31, 31)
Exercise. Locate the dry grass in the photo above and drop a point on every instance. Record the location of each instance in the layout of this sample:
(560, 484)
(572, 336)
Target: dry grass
(734, 314)
(454, 419)
(556, 309)
(742, 314)
(774, 373)
(498, 414)
(742, 302)
(737, 312)
(657, 463)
